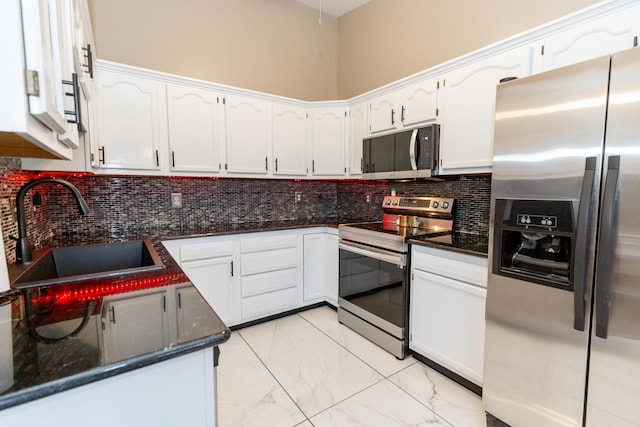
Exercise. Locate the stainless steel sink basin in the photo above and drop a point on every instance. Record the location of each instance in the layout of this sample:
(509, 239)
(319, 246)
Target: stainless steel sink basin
(74, 263)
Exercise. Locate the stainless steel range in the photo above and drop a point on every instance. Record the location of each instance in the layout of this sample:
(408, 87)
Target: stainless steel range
(374, 268)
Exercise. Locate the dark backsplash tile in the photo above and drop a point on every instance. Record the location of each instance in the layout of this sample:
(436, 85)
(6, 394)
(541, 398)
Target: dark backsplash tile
(127, 207)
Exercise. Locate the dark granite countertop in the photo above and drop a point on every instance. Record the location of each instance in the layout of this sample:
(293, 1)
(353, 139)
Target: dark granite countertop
(42, 355)
(45, 359)
(248, 227)
(457, 241)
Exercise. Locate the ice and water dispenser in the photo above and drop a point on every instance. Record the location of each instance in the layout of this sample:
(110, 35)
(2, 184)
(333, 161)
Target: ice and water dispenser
(534, 241)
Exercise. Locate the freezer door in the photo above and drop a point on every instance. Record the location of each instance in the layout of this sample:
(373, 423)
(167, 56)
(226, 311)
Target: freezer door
(614, 373)
(549, 136)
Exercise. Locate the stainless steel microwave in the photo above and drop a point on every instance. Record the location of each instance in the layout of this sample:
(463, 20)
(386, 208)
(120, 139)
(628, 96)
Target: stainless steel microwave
(408, 154)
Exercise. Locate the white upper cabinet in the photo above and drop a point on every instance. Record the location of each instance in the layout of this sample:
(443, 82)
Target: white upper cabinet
(248, 135)
(382, 115)
(467, 109)
(357, 132)
(408, 107)
(193, 119)
(129, 123)
(419, 103)
(291, 132)
(328, 141)
(590, 40)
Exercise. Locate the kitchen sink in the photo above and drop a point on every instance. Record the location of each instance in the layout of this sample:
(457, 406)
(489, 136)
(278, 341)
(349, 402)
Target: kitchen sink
(74, 263)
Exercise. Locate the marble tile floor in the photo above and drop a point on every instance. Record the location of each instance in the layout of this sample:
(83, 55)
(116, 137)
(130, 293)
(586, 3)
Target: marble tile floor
(308, 370)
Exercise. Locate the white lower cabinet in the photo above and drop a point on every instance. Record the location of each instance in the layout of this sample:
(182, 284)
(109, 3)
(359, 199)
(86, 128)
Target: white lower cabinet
(246, 277)
(447, 309)
(321, 268)
(271, 278)
(147, 311)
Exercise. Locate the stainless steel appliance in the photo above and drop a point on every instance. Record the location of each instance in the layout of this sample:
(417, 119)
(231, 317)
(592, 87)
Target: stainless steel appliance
(374, 272)
(408, 154)
(562, 343)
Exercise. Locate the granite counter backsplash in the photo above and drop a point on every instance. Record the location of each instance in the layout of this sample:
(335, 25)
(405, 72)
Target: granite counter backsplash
(132, 207)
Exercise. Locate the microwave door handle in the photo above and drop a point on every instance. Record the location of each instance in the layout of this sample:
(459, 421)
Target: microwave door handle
(582, 237)
(412, 149)
(607, 233)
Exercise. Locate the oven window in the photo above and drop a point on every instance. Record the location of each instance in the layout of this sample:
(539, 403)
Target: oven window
(376, 286)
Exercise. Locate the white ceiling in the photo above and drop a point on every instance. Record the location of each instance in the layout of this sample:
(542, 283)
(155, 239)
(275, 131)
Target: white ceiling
(334, 7)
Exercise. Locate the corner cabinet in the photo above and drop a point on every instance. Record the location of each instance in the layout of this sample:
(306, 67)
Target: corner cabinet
(446, 319)
(130, 125)
(195, 128)
(329, 138)
(467, 109)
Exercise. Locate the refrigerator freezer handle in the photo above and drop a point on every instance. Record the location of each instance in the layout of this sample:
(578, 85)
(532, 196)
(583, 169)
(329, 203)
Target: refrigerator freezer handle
(605, 246)
(582, 253)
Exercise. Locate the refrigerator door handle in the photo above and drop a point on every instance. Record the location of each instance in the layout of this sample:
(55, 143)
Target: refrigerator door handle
(605, 247)
(582, 253)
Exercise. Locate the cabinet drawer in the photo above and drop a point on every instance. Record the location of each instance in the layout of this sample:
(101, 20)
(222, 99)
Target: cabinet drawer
(268, 243)
(268, 282)
(466, 268)
(270, 303)
(197, 251)
(261, 262)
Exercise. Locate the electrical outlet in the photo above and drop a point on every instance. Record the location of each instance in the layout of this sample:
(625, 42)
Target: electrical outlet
(176, 200)
(298, 196)
(368, 198)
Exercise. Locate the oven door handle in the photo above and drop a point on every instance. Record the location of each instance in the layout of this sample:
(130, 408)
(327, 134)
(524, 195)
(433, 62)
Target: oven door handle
(379, 254)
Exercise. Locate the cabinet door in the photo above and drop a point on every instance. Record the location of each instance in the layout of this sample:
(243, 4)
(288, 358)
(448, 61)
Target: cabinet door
(134, 325)
(357, 132)
(329, 138)
(248, 135)
(43, 60)
(291, 131)
(70, 95)
(214, 279)
(128, 122)
(605, 36)
(314, 266)
(382, 115)
(468, 109)
(419, 103)
(447, 323)
(194, 129)
(331, 263)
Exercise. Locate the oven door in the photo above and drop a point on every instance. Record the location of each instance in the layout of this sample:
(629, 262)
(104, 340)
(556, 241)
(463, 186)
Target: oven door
(373, 286)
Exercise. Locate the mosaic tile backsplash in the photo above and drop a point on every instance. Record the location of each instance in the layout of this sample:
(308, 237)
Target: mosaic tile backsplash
(127, 207)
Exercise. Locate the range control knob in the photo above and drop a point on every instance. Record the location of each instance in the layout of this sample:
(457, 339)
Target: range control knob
(435, 204)
(445, 205)
(395, 203)
(388, 202)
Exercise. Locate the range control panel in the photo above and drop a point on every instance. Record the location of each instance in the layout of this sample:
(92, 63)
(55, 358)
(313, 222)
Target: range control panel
(433, 205)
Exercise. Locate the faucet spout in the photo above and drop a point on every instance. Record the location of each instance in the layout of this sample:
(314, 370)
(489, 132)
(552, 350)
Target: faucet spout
(24, 249)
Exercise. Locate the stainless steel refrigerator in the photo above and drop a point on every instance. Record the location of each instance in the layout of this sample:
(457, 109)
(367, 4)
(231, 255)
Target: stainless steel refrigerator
(562, 344)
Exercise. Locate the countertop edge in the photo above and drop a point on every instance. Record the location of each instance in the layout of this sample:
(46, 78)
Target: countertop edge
(260, 229)
(117, 368)
(446, 247)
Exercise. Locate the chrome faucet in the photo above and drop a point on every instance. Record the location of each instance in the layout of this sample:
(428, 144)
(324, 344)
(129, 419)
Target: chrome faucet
(24, 249)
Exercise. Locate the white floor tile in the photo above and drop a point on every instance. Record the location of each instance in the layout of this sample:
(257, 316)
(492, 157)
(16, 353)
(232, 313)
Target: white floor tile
(305, 424)
(383, 404)
(326, 320)
(248, 395)
(315, 370)
(454, 403)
